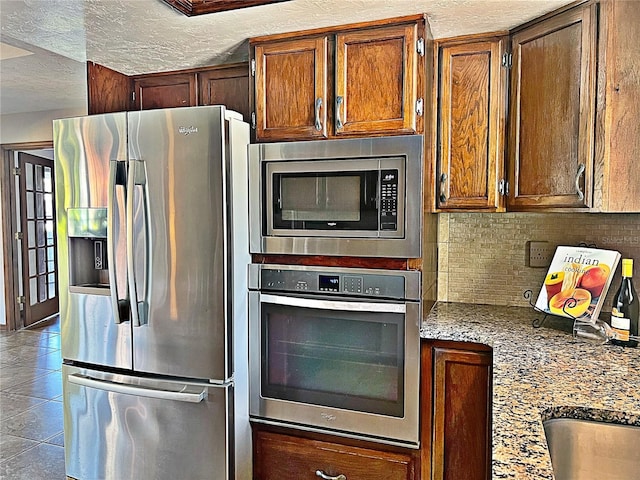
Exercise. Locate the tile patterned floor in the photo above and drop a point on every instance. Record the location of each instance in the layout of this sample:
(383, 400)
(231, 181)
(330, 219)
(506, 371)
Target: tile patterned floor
(31, 440)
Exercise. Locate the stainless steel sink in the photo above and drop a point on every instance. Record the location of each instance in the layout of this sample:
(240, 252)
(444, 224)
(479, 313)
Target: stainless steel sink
(585, 450)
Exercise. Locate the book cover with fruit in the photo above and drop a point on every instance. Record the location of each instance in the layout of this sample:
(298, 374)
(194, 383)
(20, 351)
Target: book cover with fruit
(577, 282)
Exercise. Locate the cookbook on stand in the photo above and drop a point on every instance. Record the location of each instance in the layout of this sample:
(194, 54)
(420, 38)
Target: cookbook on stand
(577, 282)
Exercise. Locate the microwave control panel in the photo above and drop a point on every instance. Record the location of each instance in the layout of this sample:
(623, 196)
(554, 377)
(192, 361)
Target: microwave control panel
(319, 282)
(389, 200)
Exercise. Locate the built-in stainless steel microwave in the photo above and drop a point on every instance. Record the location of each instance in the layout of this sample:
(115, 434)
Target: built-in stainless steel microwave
(356, 197)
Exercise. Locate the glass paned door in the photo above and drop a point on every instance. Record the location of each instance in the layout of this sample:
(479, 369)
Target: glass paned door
(38, 224)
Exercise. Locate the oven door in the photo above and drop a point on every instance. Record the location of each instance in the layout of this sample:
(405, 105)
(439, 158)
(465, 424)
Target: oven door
(348, 366)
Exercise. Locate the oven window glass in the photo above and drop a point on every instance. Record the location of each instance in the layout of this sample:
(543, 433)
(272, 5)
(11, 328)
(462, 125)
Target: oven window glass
(337, 200)
(349, 360)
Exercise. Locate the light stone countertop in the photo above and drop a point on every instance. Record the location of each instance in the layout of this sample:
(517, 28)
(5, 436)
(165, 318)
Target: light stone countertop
(540, 373)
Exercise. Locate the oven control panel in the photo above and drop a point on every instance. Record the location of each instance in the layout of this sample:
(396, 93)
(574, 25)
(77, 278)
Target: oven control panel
(320, 282)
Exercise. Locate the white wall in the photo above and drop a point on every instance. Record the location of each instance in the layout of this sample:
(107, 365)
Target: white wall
(33, 126)
(26, 128)
(3, 310)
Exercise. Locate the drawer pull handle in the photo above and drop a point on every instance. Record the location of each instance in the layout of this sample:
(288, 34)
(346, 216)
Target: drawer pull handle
(324, 476)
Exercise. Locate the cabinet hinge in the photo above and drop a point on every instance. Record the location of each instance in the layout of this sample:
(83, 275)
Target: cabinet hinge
(18, 236)
(133, 97)
(21, 299)
(420, 107)
(420, 46)
(253, 67)
(503, 188)
(506, 59)
(16, 171)
(253, 120)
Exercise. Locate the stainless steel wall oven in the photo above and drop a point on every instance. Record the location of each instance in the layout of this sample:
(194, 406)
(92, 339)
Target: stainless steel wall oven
(359, 197)
(335, 350)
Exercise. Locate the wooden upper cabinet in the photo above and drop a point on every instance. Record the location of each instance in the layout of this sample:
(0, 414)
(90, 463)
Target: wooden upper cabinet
(552, 112)
(107, 90)
(354, 80)
(165, 91)
(291, 89)
(376, 81)
(469, 137)
(228, 86)
(617, 175)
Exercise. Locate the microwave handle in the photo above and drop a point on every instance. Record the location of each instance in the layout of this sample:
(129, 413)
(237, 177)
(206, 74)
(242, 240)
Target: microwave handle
(334, 304)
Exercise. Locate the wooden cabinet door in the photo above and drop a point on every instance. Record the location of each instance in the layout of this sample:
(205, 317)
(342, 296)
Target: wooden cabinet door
(228, 86)
(551, 144)
(462, 390)
(617, 180)
(470, 135)
(376, 81)
(278, 457)
(165, 91)
(291, 89)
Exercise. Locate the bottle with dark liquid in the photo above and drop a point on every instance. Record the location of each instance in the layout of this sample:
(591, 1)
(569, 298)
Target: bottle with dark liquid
(625, 309)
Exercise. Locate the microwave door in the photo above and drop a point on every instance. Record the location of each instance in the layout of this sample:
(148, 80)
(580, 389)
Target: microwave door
(330, 202)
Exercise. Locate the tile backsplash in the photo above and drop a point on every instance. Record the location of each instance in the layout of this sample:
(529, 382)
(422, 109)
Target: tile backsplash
(481, 256)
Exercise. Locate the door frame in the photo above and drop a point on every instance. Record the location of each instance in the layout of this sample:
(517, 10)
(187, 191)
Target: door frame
(9, 229)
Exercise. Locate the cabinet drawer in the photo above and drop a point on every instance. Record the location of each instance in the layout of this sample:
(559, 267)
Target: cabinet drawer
(279, 456)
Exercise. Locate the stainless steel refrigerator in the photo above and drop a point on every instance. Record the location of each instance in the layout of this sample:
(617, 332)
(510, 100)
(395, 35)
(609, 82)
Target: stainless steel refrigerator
(153, 254)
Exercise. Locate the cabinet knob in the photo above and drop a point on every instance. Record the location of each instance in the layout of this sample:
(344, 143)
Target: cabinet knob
(324, 476)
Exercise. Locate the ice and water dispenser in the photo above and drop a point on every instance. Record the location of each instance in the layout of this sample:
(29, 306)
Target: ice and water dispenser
(88, 262)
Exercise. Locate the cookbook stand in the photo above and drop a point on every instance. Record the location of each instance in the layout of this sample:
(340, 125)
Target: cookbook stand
(537, 322)
(595, 331)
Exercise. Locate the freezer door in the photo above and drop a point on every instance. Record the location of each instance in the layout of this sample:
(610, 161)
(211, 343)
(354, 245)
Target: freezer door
(118, 427)
(90, 208)
(178, 242)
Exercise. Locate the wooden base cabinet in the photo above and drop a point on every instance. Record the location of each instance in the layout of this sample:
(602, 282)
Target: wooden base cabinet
(280, 456)
(457, 430)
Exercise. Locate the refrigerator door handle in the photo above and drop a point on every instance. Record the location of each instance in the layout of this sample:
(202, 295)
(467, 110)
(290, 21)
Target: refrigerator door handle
(120, 307)
(140, 391)
(136, 178)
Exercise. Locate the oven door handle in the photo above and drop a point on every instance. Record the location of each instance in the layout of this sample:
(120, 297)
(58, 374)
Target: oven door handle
(349, 306)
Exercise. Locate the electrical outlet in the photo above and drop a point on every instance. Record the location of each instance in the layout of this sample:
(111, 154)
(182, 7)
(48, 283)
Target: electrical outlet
(539, 254)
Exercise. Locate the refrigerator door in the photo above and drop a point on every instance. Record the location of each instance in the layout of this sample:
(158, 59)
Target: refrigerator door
(90, 163)
(131, 427)
(177, 219)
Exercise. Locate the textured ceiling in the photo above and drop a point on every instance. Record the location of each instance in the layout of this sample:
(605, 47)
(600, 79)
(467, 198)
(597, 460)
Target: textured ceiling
(142, 36)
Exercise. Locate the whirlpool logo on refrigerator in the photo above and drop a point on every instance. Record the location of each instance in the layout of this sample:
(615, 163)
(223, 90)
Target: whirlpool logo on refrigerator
(187, 130)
